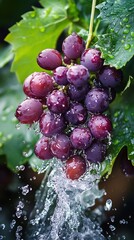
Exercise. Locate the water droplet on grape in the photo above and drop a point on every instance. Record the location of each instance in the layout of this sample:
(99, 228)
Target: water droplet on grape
(127, 46)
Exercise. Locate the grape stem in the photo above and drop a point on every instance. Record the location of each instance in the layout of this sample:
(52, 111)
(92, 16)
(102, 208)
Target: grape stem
(90, 35)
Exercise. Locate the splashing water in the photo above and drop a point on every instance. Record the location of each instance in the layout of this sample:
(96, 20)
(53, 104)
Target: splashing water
(59, 212)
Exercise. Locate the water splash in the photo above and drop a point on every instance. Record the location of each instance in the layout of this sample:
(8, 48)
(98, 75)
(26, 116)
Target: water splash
(59, 212)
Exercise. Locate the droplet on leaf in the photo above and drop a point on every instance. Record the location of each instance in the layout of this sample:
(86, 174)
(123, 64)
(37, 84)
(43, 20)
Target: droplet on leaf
(125, 19)
(132, 34)
(42, 29)
(126, 31)
(127, 46)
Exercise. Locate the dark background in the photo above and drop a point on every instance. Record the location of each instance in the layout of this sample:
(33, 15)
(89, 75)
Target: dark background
(119, 187)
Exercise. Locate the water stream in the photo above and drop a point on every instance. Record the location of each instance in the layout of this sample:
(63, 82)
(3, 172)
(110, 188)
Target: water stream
(61, 203)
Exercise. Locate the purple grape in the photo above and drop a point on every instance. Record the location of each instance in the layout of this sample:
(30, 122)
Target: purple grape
(81, 138)
(60, 75)
(42, 149)
(67, 60)
(75, 167)
(26, 86)
(100, 126)
(78, 94)
(91, 59)
(61, 146)
(110, 91)
(51, 123)
(73, 46)
(29, 111)
(49, 59)
(97, 100)
(76, 114)
(78, 75)
(38, 85)
(96, 152)
(110, 76)
(58, 102)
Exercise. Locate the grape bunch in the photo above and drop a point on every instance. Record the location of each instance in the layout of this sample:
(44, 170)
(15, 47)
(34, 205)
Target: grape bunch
(69, 105)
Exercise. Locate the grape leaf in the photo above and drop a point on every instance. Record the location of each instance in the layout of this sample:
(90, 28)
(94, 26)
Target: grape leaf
(39, 29)
(117, 41)
(122, 117)
(16, 145)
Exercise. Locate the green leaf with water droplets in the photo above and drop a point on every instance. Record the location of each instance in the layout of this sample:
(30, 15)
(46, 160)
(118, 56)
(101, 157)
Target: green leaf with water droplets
(16, 145)
(117, 40)
(39, 29)
(122, 117)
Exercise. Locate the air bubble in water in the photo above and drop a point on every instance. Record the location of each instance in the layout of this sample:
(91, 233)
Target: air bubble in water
(18, 126)
(112, 218)
(12, 224)
(25, 189)
(19, 208)
(2, 226)
(19, 233)
(112, 228)
(108, 205)
(123, 221)
(20, 168)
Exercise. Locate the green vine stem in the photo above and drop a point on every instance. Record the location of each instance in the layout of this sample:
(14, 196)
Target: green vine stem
(90, 35)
